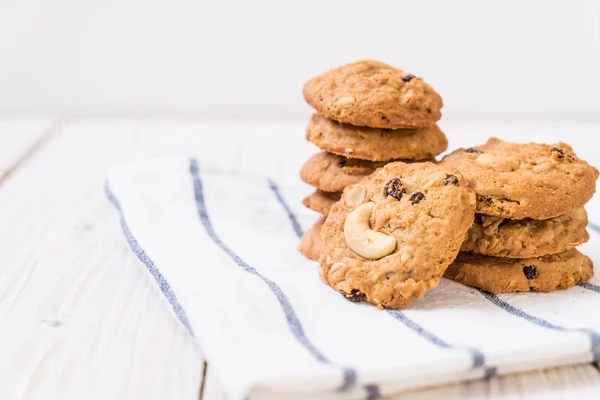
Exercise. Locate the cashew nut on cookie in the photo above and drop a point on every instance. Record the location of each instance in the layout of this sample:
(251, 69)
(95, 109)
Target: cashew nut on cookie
(362, 239)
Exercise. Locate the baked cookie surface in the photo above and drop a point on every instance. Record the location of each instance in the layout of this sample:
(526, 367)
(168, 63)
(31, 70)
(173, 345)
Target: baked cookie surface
(392, 236)
(375, 144)
(371, 93)
(529, 180)
(311, 243)
(321, 201)
(525, 238)
(504, 275)
(332, 173)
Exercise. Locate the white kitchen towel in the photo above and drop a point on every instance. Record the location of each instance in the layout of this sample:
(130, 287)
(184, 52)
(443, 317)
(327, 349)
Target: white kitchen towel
(221, 246)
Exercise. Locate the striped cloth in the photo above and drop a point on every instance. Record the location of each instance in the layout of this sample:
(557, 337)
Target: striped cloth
(221, 246)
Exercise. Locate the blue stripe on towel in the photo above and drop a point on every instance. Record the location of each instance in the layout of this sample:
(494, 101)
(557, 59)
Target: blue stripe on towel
(372, 392)
(587, 285)
(594, 227)
(590, 286)
(291, 216)
(594, 337)
(478, 356)
(143, 257)
(400, 316)
(292, 319)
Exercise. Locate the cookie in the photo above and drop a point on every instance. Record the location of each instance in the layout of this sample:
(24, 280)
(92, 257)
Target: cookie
(525, 238)
(332, 173)
(311, 243)
(371, 93)
(320, 201)
(529, 180)
(375, 144)
(392, 236)
(538, 274)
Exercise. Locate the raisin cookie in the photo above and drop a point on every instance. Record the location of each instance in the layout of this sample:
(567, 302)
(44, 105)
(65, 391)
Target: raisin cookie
(321, 201)
(504, 275)
(311, 243)
(392, 236)
(525, 238)
(529, 180)
(371, 93)
(332, 173)
(375, 144)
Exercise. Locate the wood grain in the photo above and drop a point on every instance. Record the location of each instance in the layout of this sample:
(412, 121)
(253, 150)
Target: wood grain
(79, 316)
(20, 136)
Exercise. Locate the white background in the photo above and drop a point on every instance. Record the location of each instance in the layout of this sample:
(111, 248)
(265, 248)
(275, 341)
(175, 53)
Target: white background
(493, 61)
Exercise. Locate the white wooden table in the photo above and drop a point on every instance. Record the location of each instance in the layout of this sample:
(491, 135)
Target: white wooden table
(79, 318)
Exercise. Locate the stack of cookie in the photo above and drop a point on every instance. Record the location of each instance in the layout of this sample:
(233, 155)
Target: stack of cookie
(368, 114)
(529, 217)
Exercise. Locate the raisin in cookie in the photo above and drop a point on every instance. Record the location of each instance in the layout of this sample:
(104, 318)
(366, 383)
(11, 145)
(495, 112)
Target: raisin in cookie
(332, 173)
(525, 238)
(320, 201)
(504, 275)
(529, 180)
(311, 243)
(371, 93)
(392, 236)
(375, 144)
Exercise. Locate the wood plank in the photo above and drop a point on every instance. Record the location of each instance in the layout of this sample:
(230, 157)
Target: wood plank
(79, 316)
(19, 136)
(213, 388)
(580, 382)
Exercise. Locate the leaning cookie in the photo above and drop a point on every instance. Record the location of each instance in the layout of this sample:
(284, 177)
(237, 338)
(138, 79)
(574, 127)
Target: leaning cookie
(320, 201)
(392, 236)
(529, 180)
(375, 144)
(311, 243)
(525, 238)
(504, 275)
(332, 173)
(371, 93)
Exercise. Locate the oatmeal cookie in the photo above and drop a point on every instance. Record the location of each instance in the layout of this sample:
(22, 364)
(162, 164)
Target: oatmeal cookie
(530, 180)
(525, 238)
(375, 144)
(392, 236)
(321, 201)
(371, 93)
(538, 274)
(332, 173)
(311, 243)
